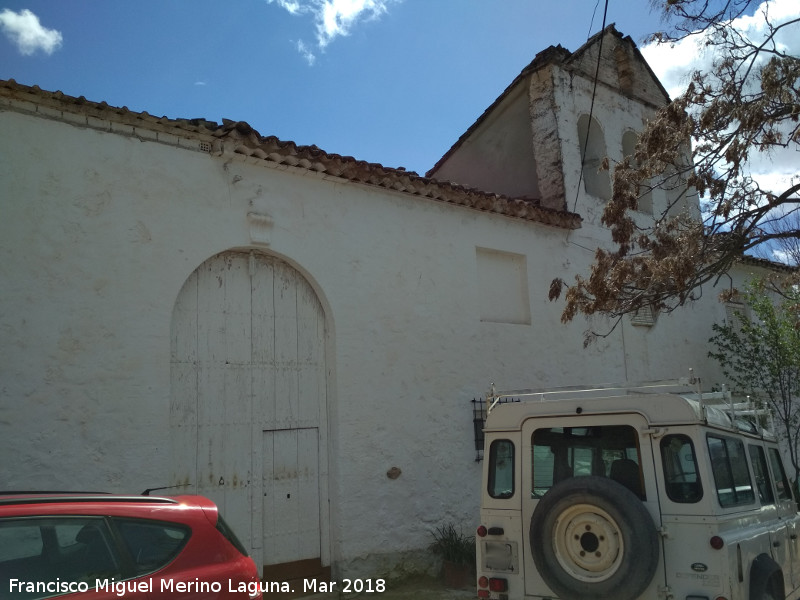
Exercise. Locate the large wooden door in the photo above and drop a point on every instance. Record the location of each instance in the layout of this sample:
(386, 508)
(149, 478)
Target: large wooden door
(248, 402)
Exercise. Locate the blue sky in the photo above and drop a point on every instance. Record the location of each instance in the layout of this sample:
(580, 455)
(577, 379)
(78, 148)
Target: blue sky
(389, 81)
(399, 88)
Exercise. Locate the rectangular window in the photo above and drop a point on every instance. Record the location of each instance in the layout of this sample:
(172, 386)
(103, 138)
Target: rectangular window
(680, 469)
(501, 469)
(645, 317)
(763, 482)
(781, 481)
(731, 475)
(605, 451)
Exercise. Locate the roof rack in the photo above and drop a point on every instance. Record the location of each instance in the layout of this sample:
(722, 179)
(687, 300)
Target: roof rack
(742, 415)
(493, 397)
(26, 492)
(37, 498)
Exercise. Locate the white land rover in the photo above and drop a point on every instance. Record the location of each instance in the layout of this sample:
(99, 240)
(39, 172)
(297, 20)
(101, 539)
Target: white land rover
(632, 494)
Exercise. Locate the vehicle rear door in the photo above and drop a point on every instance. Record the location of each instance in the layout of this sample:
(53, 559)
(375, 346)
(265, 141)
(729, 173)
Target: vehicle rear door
(558, 448)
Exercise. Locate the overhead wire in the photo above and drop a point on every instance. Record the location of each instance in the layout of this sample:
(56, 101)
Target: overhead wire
(591, 105)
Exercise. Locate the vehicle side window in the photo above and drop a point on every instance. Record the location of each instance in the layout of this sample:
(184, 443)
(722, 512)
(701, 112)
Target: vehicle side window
(781, 481)
(18, 541)
(606, 451)
(152, 544)
(731, 475)
(501, 469)
(77, 549)
(680, 469)
(67, 534)
(763, 483)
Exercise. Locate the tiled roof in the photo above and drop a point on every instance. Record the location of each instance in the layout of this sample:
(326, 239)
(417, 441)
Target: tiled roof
(765, 263)
(240, 138)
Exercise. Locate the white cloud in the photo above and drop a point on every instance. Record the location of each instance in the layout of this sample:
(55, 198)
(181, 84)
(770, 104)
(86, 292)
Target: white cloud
(27, 33)
(674, 63)
(293, 6)
(332, 18)
(306, 52)
(338, 16)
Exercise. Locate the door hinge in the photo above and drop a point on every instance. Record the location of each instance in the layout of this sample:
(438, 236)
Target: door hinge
(665, 592)
(655, 432)
(663, 532)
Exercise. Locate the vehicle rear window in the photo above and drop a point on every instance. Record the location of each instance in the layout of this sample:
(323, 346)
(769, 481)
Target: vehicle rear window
(151, 544)
(501, 469)
(679, 461)
(731, 474)
(605, 450)
(227, 533)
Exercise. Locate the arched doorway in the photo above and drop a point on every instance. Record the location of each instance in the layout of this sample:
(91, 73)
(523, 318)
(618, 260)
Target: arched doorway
(248, 405)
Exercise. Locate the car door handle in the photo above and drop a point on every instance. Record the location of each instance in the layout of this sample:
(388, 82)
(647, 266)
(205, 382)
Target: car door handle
(793, 536)
(776, 544)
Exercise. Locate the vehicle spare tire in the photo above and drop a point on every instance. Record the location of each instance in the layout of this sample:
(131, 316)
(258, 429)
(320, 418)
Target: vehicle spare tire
(592, 538)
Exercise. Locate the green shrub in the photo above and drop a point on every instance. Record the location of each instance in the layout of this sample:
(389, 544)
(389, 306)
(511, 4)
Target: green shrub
(453, 546)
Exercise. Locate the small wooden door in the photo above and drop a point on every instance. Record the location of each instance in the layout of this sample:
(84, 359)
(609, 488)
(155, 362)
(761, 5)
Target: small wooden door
(291, 495)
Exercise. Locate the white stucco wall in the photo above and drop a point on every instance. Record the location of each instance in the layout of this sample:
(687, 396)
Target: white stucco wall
(99, 232)
(498, 155)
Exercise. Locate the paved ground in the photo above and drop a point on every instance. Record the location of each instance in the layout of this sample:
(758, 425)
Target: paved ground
(411, 589)
(424, 589)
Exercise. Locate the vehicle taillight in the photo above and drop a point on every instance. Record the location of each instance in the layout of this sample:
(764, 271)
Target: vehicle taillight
(483, 582)
(483, 593)
(481, 531)
(497, 584)
(717, 543)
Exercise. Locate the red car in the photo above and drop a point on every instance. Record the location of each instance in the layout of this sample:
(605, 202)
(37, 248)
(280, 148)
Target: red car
(107, 546)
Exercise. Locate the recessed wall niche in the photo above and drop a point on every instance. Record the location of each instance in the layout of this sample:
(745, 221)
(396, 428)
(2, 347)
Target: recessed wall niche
(503, 287)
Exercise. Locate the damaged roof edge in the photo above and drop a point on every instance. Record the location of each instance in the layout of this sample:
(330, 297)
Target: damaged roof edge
(241, 138)
(612, 29)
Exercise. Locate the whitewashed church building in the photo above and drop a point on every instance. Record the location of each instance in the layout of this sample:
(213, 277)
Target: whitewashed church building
(299, 335)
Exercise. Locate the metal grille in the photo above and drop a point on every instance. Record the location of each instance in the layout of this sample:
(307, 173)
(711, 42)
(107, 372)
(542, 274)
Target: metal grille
(479, 418)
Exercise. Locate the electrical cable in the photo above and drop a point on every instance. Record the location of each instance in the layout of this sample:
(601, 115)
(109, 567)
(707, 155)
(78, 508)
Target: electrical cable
(591, 106)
